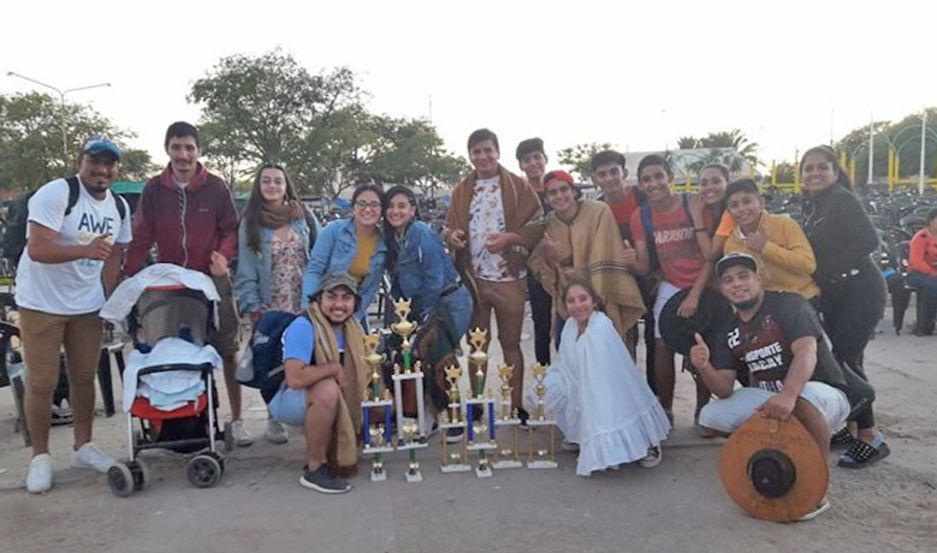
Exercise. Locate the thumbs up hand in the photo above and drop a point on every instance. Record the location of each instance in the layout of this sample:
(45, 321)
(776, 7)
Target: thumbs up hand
(699, 353)
(630, 254)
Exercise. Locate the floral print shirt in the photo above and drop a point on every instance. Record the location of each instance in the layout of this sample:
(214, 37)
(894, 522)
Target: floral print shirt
(486, 217)
(286, 277)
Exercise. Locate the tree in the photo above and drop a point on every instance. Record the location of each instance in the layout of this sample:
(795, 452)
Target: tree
(270, 109)
(136, 165)
(31, 151)
(735, 139)
(578, 157)
(904, 137)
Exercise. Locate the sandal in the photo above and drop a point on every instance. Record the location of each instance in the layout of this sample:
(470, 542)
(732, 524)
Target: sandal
(860, 454)
(841, 439)
(821, 508)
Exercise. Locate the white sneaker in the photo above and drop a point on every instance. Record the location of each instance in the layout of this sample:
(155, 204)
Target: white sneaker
(654, 456)
(39, 478)
(276, 432)
(90, 456)
(821, 508)
(567, 445)
(241, 437)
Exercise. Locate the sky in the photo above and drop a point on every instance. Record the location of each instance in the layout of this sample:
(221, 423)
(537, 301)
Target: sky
(636, 75)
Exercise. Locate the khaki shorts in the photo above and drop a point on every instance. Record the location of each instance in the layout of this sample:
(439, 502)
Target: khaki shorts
(225, 337)
(44, 335)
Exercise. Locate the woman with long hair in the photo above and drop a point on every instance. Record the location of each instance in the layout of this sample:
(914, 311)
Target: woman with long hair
(852, 289)
(273, 250)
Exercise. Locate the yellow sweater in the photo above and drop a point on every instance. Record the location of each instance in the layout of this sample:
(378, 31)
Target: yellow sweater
(787, 262)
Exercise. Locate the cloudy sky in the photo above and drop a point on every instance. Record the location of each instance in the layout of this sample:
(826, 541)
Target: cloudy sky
(637, 75)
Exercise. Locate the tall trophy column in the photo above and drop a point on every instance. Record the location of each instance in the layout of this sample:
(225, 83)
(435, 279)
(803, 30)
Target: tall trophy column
(541, 457)
(453, 461)
(506, 456)
(480, 409)
(376, 411)
(411, 435)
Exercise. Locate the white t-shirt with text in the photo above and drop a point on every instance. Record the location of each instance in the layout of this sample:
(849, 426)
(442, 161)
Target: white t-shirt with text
(73, 287)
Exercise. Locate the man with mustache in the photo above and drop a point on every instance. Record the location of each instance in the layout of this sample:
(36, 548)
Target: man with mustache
(71, 261)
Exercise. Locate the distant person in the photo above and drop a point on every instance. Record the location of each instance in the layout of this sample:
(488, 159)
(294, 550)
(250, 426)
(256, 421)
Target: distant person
(273, 250)
(922, 273)
(354, 246)
(785, 257)
(71, 262)
(672, 247)
(324, 368)
(494, 220)
(533, 160)
(603, 407)
(189, 214)
(776, 341)
(852, 289)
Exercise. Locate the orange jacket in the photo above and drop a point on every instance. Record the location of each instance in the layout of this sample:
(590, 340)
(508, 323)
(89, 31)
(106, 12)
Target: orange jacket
(922, 257)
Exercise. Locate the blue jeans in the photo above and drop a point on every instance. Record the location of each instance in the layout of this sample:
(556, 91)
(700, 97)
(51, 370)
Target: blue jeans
(459, 306)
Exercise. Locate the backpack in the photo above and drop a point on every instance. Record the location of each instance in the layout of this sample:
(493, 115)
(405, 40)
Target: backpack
(648, 223)
(261, 365)
(14, 234)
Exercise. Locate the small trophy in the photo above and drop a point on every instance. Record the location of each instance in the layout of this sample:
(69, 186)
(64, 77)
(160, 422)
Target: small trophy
(410, 435)
(541, 457)
(453, 461)
(377, 434)
(506, 455)
(480, 409)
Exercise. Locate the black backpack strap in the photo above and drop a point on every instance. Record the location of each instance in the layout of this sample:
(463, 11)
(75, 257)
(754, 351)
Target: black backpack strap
(121, 206)
(685, 198)
(73, 191)
(648, 223)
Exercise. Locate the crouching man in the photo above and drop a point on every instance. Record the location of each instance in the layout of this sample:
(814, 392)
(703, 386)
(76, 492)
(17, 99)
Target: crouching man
(325, 374)
(776, 344)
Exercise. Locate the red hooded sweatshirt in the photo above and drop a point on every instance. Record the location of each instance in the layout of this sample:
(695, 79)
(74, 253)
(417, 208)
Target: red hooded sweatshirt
(187, 224)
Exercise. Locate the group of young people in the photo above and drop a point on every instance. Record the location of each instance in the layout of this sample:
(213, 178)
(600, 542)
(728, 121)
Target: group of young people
(591, 269)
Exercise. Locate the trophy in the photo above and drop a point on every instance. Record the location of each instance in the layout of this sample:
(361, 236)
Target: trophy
(453, 461)
(410, 435)
(480, 409)
(506, 455)
(377, 434)
(541, 457)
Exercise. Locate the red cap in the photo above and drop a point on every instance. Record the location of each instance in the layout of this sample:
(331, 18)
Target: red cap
(559, 175)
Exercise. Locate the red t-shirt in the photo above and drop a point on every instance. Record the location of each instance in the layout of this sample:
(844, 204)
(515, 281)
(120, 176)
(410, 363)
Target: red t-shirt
(675, 240)
(623, 211)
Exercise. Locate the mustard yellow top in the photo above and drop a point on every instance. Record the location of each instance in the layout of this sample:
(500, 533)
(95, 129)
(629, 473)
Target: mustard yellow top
(361, 265)
(787, 262)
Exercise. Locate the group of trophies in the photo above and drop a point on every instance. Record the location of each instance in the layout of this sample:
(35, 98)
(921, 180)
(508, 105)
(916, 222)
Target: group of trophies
(481, 417)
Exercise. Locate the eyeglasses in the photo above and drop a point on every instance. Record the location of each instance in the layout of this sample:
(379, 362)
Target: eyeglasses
(362, 205)
(558, 190)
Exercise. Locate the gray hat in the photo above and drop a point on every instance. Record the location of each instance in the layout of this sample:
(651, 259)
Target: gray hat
(331, 282)
(733, 259)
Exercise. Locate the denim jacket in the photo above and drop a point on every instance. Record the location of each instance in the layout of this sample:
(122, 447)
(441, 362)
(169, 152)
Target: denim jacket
(423, 269)
(252, 279)
(334, 252)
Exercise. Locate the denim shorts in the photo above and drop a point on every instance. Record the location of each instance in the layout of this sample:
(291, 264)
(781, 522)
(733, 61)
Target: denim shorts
(289, 406)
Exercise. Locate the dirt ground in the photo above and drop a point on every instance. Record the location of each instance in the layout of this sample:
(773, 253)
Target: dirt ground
(678, 506)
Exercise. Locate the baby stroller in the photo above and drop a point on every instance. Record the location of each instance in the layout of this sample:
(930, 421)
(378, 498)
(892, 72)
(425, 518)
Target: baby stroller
(169, 387)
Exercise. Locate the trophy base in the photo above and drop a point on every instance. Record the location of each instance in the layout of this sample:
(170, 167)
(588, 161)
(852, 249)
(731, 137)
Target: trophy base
(403, 446)
(542, 464)
(483, 473)
(413, 477)
(545, 422)
(377, 403)
(455, 467)
(507, 422)
(482, 446)
(371, 450)
(507, 464)
(378, 476)
(448, 425)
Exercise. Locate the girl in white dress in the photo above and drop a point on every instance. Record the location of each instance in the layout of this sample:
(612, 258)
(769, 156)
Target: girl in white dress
(600, 401)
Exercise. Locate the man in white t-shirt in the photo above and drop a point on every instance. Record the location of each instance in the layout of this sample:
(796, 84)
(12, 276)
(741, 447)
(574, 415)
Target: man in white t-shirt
(494, 221)
(71, 260)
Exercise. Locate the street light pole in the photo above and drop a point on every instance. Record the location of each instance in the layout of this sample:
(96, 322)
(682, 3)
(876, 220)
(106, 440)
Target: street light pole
(61, 94)
(920, 176)
(868, 179)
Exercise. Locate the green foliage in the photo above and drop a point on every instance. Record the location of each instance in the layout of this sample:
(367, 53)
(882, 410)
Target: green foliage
(270, 109)
(31, 149)
(744, 149)
(903, 136)
(577, 158)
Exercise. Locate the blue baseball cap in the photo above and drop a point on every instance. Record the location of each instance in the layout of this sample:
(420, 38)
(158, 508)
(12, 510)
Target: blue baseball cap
(97, 145)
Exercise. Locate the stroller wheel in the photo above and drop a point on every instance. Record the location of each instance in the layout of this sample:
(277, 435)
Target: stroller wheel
(228, 437)
(203, 471)
(120, 480)
(141, 474)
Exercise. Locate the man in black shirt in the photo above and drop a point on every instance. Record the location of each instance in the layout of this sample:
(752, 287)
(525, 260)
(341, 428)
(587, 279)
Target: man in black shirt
(776, 344)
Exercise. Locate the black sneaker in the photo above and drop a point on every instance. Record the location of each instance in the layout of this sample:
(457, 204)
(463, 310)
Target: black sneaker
(523, 415)
(321, 481)
(454, 435)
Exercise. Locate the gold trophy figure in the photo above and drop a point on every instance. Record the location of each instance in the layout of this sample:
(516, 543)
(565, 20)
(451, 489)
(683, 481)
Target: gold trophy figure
(480, 409)
(455, 460)
(376, 436)
(408, 383)
(478, 359)
(541, 457)
(506, 455)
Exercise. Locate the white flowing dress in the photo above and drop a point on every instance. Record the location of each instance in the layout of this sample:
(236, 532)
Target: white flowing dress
(600, 400)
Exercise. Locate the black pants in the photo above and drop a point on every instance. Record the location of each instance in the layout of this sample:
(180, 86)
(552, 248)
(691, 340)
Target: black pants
(541, 311)
(851, 310)
(926, 302)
